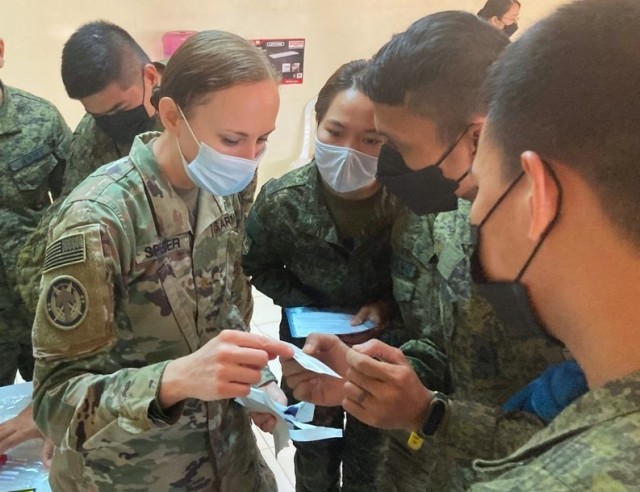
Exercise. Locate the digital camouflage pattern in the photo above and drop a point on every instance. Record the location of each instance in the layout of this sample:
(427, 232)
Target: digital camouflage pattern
(465, 352)
(294, 256)
(91, 148)
(593, 445)
(34, 146)
(128, 286)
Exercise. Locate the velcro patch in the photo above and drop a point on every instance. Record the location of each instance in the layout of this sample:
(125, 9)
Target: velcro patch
(225, 222)
(67, 303)
(404, 268)
(65, 251)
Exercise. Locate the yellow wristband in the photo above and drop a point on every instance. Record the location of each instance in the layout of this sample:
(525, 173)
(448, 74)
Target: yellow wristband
(415, 441)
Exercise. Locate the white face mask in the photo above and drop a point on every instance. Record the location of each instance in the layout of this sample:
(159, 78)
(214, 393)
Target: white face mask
(219, 174)
(345, 169)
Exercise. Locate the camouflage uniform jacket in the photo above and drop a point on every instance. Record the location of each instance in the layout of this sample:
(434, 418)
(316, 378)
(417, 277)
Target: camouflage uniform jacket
(128, 286)
(294, 254)
(90, 149)
(594, 444)
(34, 146)
(467, 353)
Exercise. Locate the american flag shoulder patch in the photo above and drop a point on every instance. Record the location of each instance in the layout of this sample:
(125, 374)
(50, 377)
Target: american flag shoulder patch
(65, 251)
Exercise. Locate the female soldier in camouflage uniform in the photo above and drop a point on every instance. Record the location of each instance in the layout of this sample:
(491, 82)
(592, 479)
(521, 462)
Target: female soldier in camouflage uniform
(320, 236)
(139, 336)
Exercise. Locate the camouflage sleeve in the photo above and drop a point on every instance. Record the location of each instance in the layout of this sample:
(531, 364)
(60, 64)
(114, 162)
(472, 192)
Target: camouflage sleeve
(62, 144)
(63, 140)
(243, 299)
(476, 431)
(429, 362)
(82, 398)
(536, 478)
(241, 294)
(248, 194)
(85, 155)
(31, 258)
(263, 257)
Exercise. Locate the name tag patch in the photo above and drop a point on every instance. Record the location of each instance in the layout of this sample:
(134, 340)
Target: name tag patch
(225, 222)
(67, 303)
(31, 157)
(65, 251)
(404, 268)
(162, 247)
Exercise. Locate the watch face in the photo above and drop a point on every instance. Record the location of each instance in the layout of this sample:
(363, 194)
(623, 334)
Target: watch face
(435, 414)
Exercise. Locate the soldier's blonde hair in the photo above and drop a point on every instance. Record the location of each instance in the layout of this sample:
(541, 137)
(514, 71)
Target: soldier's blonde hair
(208, 62)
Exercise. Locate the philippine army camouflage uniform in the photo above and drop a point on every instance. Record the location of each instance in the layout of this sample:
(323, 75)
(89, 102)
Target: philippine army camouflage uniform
(465, 352)
(127, 286)
(90, 149)
(593, 445)
(34, 144)
(295, 256)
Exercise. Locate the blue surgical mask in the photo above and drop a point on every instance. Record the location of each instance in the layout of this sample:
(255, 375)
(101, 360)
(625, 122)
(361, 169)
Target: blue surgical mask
(345, 169)
(219, 174)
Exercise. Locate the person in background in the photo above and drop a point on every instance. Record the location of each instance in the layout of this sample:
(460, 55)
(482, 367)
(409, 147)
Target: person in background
(319, 236)
(139, 341)
(425, 85)
(105, 69)
(503, 14)
(113, 78)
(34, 151)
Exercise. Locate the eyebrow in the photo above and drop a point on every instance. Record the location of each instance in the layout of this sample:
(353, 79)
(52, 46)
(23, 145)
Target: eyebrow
(246, 135)
(340, 125)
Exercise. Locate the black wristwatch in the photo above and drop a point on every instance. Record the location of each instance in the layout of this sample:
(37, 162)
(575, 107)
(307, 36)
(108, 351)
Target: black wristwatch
(435, 415)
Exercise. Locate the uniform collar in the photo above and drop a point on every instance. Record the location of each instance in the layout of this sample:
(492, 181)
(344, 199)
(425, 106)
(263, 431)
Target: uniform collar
(9, 121)
(170, 212)
(318, 222)
(613, 400)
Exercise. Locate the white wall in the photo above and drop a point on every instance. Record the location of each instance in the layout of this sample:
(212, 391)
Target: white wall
(336, 31)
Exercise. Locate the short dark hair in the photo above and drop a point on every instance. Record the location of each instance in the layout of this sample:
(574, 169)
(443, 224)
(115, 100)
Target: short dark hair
(98, 54)
(568, 90)
(496, 8)
(436, 68)
(346, 77)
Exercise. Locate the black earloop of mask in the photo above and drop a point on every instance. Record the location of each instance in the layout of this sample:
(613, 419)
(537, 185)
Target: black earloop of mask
(425, 191)
(510, 299)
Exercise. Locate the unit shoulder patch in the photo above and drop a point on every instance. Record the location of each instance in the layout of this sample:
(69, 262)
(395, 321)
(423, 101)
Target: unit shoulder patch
(67, 303)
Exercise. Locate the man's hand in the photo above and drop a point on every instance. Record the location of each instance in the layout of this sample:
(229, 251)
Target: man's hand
(378, 313)
(267, 421)
(17, 430)
(313, 387)
(382, 390)
(225, 367)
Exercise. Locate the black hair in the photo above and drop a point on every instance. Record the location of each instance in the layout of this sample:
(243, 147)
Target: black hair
(568, 90)
(98, 54)
(346, 77)
(436, 68)
(496, 8)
